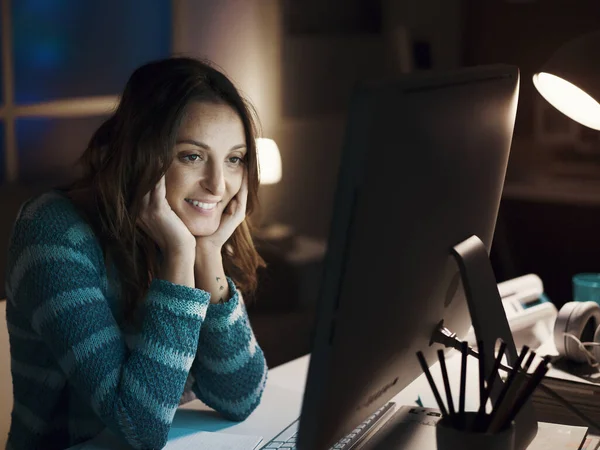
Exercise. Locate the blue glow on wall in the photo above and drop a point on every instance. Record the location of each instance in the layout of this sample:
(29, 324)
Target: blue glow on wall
(66, 48)
(50, 147)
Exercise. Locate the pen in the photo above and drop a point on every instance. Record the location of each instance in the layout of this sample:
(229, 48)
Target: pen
(530, 386)
(446, 382)
(508, 384)
(490, 382)
(481, 350)
(464, 349)
(436, 394)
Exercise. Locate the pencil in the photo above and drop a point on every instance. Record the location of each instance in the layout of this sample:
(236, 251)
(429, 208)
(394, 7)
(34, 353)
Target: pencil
(464, 348)
(492, 377)
(446, 382)
(427, 373)
(530, 359)
(508, 383)
(512, 395)
(519, 387)
(530, 386)
(481, 371)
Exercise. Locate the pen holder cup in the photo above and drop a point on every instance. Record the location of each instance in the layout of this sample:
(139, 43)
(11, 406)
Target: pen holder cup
(449, 437)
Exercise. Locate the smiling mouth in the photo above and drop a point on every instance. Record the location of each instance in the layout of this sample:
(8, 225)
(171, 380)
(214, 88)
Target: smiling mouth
(201, 205)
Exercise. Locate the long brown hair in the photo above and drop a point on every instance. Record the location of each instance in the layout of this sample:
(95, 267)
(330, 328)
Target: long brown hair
(132, 150)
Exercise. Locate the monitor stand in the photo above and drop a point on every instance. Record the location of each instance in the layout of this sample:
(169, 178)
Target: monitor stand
(490, 323)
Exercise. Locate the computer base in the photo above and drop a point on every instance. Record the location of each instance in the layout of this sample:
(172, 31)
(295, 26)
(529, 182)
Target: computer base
(490, 323)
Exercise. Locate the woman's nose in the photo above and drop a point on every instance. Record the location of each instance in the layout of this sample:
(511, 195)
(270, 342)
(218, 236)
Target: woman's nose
(214, 180)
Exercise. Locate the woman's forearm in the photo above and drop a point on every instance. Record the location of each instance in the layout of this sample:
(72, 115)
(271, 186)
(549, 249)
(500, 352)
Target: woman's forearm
(210, 276)
(229, 363)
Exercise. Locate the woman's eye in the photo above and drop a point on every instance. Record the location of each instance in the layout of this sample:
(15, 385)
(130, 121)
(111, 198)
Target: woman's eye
(192, 157)
(236, 160)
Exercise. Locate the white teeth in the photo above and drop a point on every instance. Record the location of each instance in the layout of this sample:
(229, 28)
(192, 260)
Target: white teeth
(201, 205)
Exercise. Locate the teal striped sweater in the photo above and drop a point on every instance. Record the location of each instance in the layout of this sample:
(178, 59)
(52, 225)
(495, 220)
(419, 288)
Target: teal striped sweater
(77, 368)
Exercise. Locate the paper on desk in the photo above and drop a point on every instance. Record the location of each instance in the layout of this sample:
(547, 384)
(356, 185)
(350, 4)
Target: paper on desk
(183, 439)
(180, 439)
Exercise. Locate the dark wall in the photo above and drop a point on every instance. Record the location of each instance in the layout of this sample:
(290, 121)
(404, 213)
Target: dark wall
(524, 33)
(553, 240)
(544, 227)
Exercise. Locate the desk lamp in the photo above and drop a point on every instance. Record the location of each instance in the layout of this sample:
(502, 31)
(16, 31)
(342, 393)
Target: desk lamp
(269, 161)
(269, 169)
(570, 80)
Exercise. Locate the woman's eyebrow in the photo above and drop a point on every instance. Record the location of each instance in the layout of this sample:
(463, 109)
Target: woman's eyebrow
(204, 146)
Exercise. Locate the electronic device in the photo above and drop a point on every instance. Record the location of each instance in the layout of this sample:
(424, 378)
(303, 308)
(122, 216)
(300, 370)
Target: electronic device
(354, 440)
(575, 329)
(529, 312)
(418, 192)
(577, 332)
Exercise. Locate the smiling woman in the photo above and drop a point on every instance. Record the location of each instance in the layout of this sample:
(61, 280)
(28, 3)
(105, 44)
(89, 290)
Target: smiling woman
(125, 288)
(208, 165)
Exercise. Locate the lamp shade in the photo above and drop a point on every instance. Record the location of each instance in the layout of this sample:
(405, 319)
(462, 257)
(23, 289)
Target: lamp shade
(269, 161)
(570, 80)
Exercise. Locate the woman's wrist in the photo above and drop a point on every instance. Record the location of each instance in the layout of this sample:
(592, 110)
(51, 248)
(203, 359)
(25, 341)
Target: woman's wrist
(184, 249)
(178, 268)
(207, 251)
(210, 275)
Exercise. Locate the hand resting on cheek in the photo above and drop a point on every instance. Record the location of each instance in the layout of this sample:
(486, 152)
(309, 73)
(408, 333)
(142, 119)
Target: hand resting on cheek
(233, 215)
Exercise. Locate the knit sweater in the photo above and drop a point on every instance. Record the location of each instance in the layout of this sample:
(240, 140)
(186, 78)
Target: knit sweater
(78, 368)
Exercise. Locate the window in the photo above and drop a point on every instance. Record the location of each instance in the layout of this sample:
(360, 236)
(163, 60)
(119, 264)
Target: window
(67, 62)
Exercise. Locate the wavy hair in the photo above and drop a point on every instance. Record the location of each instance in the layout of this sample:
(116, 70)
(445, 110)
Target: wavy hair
(132, 150)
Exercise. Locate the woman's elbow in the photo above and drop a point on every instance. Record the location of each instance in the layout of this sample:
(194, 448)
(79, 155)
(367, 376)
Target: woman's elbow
(155, 442)
(238, 416)
(145, 438)
(242, 412)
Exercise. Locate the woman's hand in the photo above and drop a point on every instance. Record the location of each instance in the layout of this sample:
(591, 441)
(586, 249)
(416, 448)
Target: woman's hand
(171, 235)
(208, 267)
(233, 215)
(165, 227)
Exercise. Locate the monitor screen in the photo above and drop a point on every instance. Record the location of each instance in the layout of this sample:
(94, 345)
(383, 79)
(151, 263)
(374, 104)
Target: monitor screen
(422, 170)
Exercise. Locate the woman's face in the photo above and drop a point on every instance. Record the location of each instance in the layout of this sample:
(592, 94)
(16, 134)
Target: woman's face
(208, 165)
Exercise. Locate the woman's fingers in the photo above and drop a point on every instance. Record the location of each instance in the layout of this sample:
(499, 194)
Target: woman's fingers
(242, 195)
(161, 189)
(234, 208)
(233, 215)
(156, 216)
(158, 193)
(237, 205)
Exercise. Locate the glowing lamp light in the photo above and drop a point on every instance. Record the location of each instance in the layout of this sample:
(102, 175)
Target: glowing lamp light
(568, 99)
(570, 80)
(269, 161)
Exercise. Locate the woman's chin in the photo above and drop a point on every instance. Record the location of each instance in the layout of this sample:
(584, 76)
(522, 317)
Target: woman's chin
(202, 231)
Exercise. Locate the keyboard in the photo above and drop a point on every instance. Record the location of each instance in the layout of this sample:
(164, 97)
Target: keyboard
(286, 440)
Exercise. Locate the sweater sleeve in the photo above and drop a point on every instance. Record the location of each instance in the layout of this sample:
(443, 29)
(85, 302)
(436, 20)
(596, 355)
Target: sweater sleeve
(229, 370)
(56, 279)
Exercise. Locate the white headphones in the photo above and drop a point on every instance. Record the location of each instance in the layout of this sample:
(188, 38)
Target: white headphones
(577, 332)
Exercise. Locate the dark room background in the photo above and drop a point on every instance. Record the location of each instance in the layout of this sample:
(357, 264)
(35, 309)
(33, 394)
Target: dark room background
(65, 62)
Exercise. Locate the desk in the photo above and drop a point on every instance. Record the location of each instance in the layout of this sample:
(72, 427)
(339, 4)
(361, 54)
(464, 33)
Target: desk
(291, 377)
(282, 401)
(280, 405)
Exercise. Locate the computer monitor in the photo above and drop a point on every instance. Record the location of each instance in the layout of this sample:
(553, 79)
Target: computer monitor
(422, 170)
